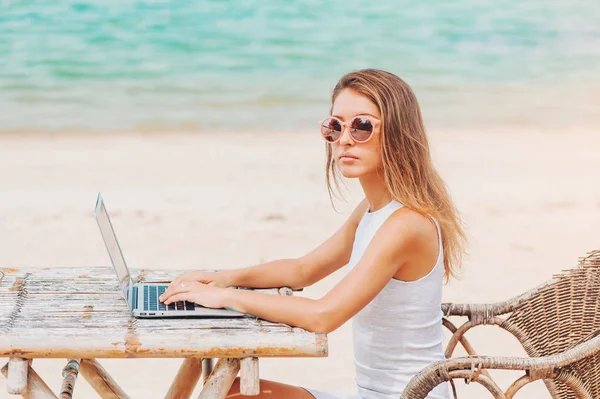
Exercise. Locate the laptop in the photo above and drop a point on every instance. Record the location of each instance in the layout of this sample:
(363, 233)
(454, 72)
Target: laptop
(142, 298)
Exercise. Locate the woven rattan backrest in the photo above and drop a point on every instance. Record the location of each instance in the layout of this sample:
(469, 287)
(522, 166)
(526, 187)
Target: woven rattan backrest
(561, 315)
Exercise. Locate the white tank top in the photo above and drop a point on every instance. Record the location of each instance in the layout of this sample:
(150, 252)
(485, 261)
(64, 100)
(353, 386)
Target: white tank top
(400, 331)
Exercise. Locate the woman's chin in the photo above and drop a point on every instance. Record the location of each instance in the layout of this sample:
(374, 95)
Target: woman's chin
(351, 173)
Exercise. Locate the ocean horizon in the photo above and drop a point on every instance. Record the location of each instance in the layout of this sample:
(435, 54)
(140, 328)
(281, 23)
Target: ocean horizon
(226, 66)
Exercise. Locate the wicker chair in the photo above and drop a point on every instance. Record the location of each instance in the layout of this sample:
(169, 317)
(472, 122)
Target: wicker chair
(558, 324)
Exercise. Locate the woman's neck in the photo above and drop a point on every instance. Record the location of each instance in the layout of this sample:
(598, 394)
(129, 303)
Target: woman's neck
(376, 191)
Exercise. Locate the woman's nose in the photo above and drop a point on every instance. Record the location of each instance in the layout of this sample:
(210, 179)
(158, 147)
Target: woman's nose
(346, 138)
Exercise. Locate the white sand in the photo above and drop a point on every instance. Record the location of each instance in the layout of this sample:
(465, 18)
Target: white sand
(531, 201)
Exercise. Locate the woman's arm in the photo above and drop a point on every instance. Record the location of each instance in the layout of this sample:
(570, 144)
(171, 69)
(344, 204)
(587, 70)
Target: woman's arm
(405, 236)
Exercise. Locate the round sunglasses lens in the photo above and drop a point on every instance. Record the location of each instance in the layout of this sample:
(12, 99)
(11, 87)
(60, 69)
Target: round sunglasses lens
(331, 129)
(361, 128)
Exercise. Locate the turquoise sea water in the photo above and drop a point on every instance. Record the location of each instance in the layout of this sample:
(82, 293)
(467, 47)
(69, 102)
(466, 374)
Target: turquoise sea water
(229, 65)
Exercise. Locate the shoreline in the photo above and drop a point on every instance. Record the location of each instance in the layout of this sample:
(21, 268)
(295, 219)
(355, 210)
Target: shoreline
(495, 105)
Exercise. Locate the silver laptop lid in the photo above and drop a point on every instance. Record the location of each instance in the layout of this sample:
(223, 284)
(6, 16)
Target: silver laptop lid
(113, 248)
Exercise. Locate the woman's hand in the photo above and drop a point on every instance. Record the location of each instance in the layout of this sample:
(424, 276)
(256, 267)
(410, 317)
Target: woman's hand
(205, 295)
(217, 279)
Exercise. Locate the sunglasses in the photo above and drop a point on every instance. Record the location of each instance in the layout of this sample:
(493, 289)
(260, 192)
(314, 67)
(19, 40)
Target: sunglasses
(361, 128)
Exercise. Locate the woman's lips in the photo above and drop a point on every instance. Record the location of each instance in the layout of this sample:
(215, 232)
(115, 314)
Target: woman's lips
(348, 158)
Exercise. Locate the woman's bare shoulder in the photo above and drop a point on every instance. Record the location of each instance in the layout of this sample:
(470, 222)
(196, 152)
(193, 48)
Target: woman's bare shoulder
(413, 226)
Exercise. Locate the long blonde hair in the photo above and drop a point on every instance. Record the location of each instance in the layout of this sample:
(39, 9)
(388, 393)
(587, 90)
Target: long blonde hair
(408, 171)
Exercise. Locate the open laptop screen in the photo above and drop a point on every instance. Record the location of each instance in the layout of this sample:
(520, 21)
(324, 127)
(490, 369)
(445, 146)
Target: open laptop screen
(114, 250)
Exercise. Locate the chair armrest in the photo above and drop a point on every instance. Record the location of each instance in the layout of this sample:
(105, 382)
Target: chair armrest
(473, 367)
(490, 309)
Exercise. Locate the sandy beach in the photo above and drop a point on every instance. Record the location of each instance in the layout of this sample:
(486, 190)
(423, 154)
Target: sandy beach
(530, 200)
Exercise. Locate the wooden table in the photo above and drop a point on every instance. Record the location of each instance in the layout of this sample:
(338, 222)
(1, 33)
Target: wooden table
(79, 314)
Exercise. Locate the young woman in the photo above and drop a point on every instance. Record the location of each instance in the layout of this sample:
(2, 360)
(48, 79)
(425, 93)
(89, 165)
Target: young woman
(398, 244)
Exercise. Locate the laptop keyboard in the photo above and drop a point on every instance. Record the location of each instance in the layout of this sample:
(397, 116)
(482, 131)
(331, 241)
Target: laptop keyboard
(151, 302)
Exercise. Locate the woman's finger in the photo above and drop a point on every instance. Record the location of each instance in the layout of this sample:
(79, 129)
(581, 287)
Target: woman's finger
(169, 291)
(175, 289)
(182, 296)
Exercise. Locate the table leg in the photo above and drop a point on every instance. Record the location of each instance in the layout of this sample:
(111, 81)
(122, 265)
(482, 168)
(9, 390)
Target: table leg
(69, 373)
(218, 384)
(100, 380)
(17, 375)
(207, 368)
(186, 379)
(249, 379)
(36, 388)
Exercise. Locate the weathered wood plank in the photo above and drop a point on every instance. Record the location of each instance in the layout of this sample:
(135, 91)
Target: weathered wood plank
(102, 321)
(249, 377)
(56, 344)
(36, 387)
(7, 282)
(17, 295)
(61, 272)
(17, 375)
(186, 379)
(74, 330)
(101, 272)
(100, 380)
(220, 379)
